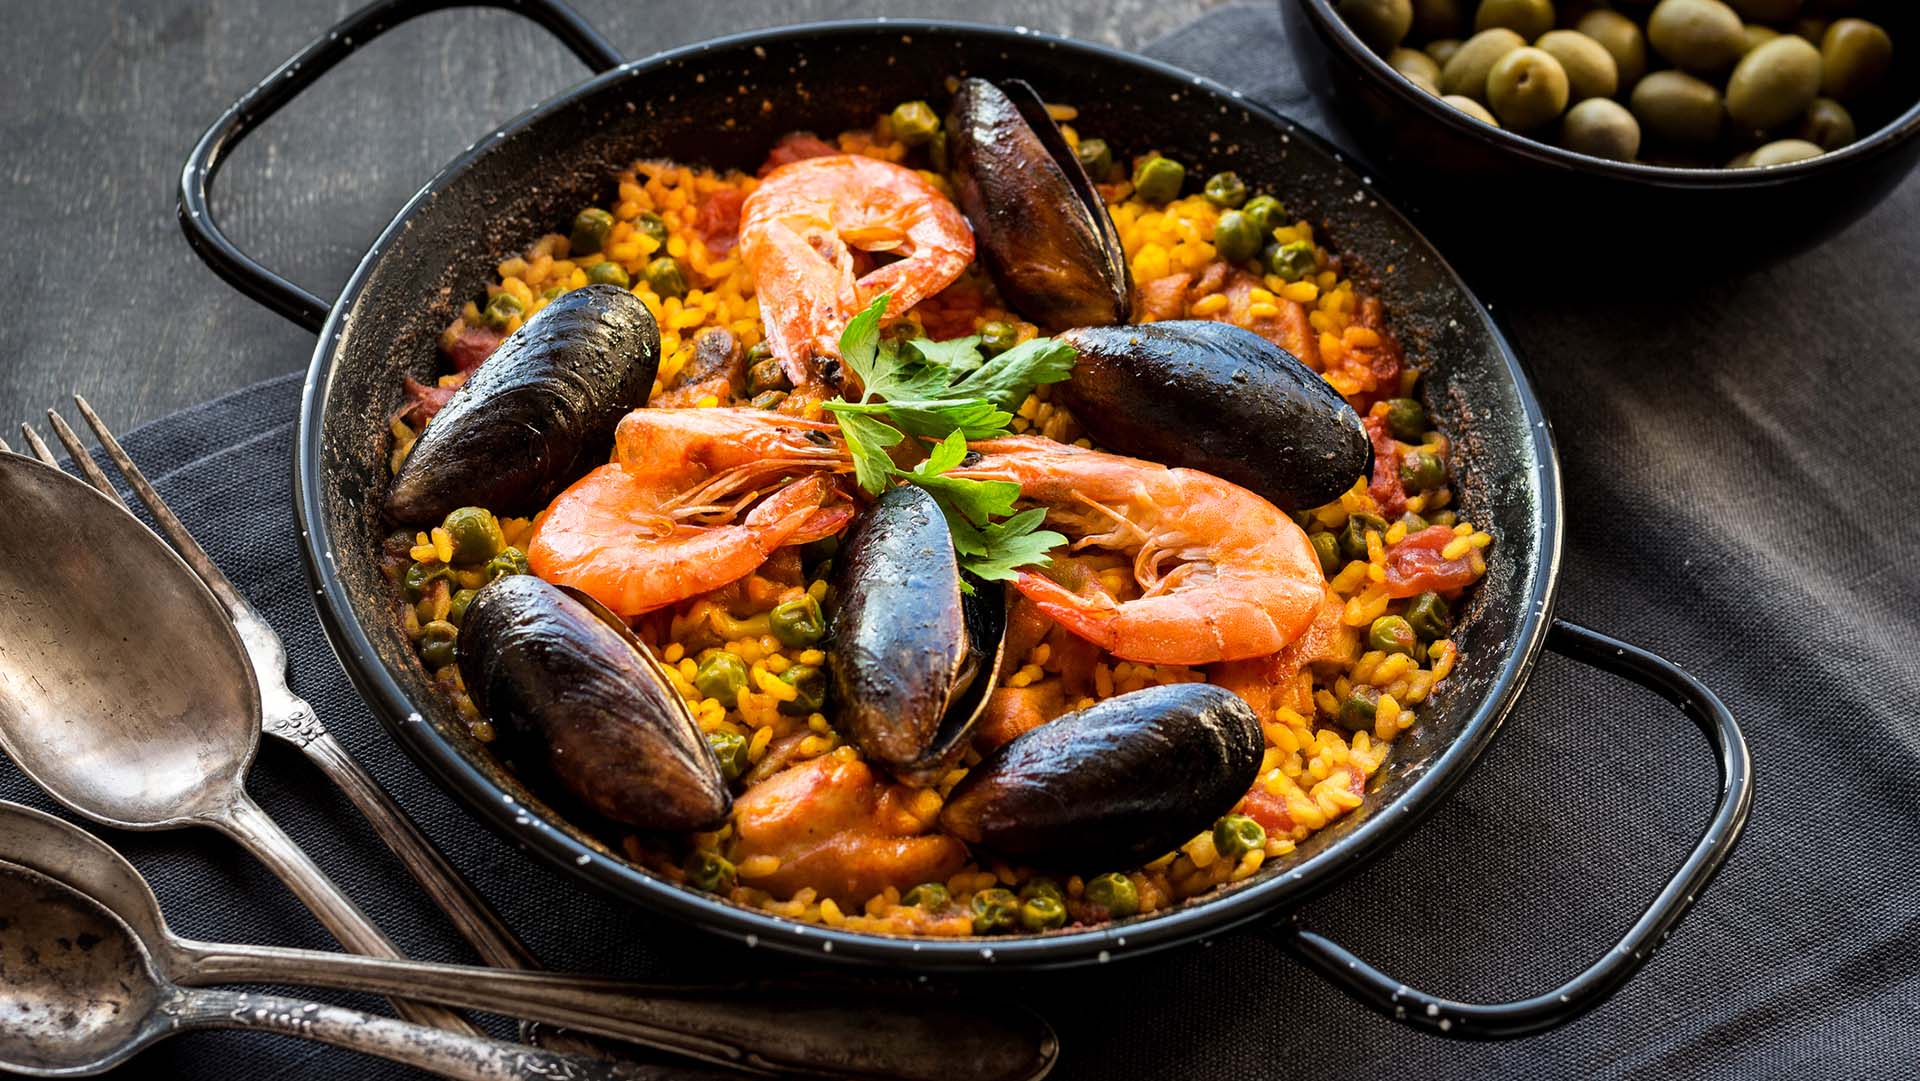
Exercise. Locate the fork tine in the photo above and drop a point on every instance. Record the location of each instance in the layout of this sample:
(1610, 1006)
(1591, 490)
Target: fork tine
(39, 445)
(163, 515)
(78, 452)
(5, 447)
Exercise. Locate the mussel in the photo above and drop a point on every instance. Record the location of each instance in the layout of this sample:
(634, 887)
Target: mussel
(1038, 224)
(914, 656)
(537, 413)
(570, 688)
(1122, 781)
(1220, 399)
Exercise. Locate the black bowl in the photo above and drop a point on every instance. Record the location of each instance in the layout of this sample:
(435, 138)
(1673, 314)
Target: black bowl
(1525, 211)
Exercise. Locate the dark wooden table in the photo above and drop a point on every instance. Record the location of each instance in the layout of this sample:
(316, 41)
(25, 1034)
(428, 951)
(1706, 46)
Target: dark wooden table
(106, 98)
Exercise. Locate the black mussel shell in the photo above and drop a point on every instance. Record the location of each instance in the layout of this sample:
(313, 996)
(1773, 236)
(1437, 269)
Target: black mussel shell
(1038, 224)
(1113, 785)
(537, 414)
(570, 688)
(913, 657)
(1220, 399)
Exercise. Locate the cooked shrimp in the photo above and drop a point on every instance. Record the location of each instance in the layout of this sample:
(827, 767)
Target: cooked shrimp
(1224, 574)
(665, 521)
(798, 231)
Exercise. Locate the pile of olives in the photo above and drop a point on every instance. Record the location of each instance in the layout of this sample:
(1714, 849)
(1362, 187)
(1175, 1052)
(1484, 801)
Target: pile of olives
(1764, 81)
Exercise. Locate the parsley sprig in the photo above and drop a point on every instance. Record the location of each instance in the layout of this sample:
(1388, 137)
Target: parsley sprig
(948, 393)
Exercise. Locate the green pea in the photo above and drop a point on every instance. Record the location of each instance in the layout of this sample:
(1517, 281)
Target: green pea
(768, 399)
(1095, 158)
(759, 351)
(914, 122)
(509, 561)
(665, 277)
(1327, 547)
(1422, 471)
(1429, 616)
(1042, 887)
(711, 872)
(553, 292)
(931, 896)
(731, 750)
(421, 576)
(1293, 260)
(1356, 713)
(475, 532)
(1236, 237)
(1157, 179)
(997, 337)
(798, 622)
(721, 677)
(502, 308)
(457, 606)
(1115, 893)
(1042, 913)
(1353, 536)
(994, 910)
(1391, 634)
(811, 682)
(1236, 835)
(652, 225)
(1225, 190)
(437, 649)
(590, 229)
(608, 273)
(767, 374)
(1414, 522)
(1265, 212)
(1406, 419)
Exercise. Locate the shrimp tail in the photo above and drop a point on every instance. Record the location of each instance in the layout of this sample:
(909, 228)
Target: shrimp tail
(786, 513)
(823, 523)
(1091, 615)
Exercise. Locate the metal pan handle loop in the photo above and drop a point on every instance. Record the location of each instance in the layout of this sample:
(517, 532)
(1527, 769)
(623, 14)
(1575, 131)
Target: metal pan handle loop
(1471, 1020)
(241, 270)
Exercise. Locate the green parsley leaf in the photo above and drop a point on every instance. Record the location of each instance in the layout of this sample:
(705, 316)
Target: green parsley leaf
(859, 343)
(1010, 545)
(955, 355)
(1007, 379)
(867, 439)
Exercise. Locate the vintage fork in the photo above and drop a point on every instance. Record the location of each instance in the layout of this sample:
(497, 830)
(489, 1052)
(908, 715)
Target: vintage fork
(286, 716)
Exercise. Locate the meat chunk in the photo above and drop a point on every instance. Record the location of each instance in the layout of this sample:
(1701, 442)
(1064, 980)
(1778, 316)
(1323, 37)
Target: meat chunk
(717, 369)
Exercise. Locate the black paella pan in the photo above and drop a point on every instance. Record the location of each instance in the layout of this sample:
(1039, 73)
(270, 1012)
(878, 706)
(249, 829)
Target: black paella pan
(723, 103)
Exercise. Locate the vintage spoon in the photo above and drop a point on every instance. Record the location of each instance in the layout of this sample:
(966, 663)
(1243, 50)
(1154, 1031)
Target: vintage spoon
(79, 995)
(125, 693)
(819, 1030)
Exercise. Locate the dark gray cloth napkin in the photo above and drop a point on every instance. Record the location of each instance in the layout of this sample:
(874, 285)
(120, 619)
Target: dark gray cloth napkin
(1739, 486)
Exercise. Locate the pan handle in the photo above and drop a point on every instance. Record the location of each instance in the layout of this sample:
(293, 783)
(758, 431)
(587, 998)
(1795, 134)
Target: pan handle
(1473, 1020)
(241, 270)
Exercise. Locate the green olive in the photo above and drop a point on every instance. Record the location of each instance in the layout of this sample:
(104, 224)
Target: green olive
(994, 910)
(457, 605)
(1527, 88)
(1528, 18)
(1438, 18)
(1471, 107)
(1406, 418)
(1429, 616)
(1225, 190)
(421, 576)
(710, 871)
(590, 229)
(1235, 237)
(932, 896)
(1591, 72)
(608, 273)
(1603, 128)
(1382, 24)
(1157, 179)
(1293, 260)
(1466, 73)
(1236, 835)
(1419, 68)
(1622, 38)
(811, 683)
(996, 337)
(476, 534)
(730, 750)
(1827, 123)
(914, 122)
(1753, 35)
(1774, 83)
(798, 622)
(1856, 55)
(1811, 27)
(1742, 160)
(1442, 50)
(721, 677)
(1353, 536)
(651, 224)
(1767, 11)
(509, 561)
(1266, 214)
(1678, 108)
(1701, 36)
(1358, 709)
(1095, 158)
(1784, 152)
(1421, 471)
(666, 277)
(1392, 634)
(1042, 913)
(437, 644)
(1327, 547)
(1114, 893)
(1041, 887)
(502, 308)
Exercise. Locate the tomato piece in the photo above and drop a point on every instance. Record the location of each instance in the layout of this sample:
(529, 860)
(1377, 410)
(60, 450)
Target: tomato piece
(472, 345)
(1416, 565)
(718, 221)
(1385, 487)
(795, 146)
